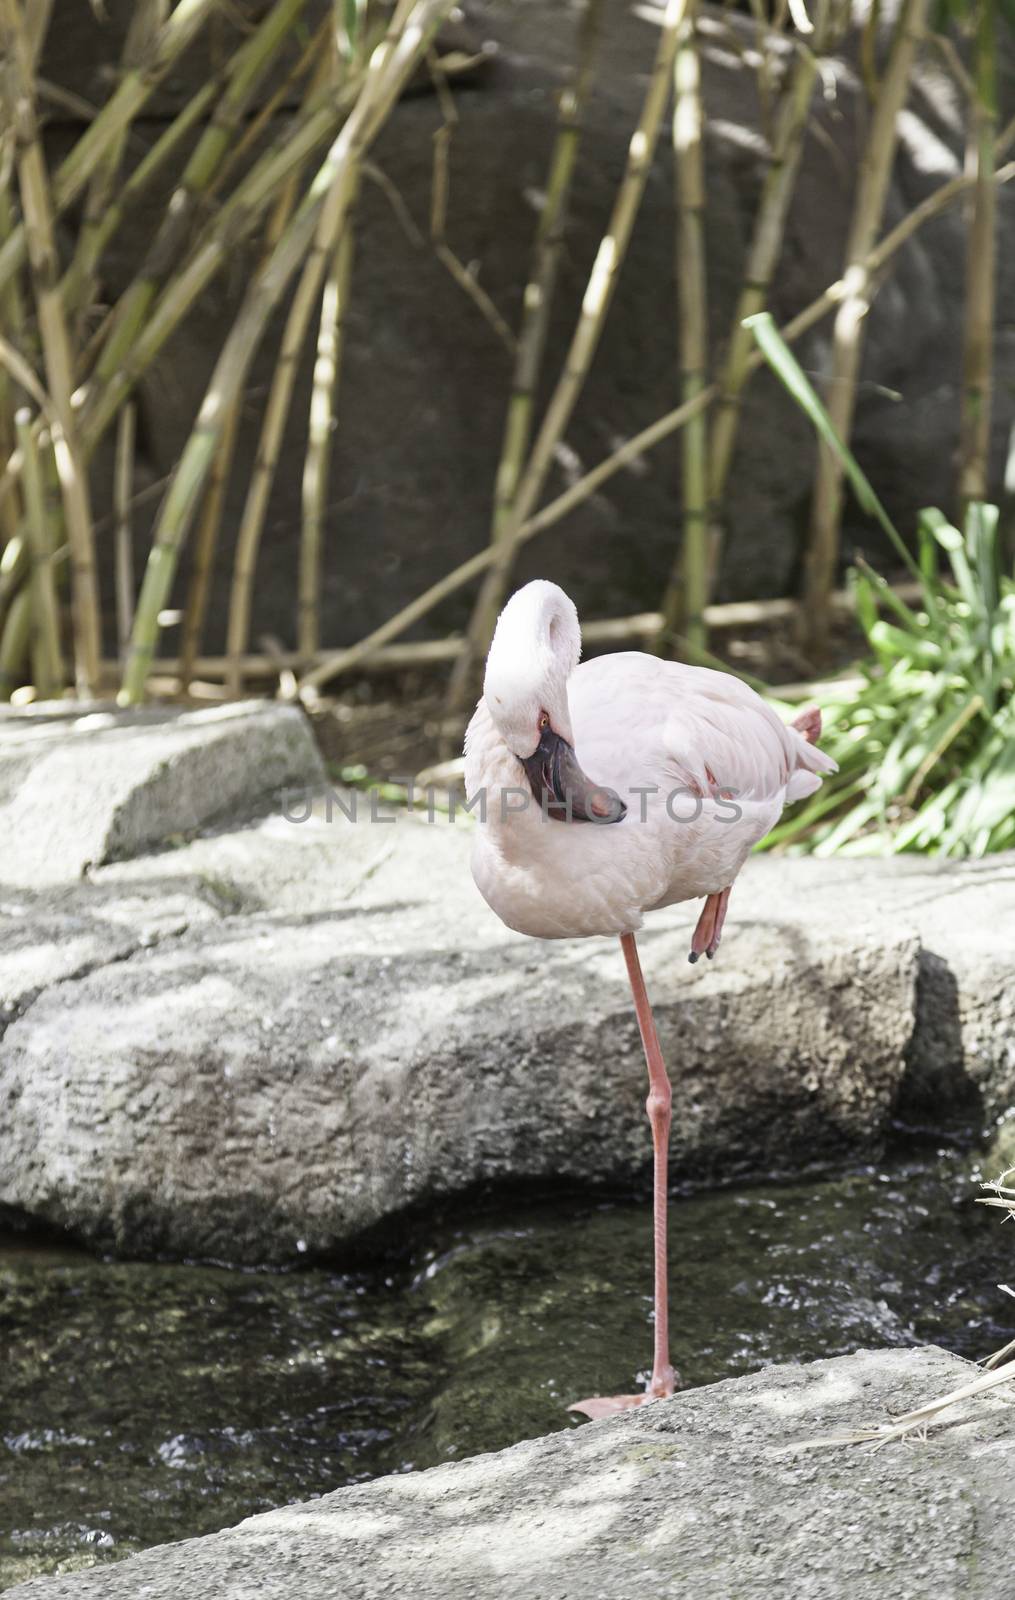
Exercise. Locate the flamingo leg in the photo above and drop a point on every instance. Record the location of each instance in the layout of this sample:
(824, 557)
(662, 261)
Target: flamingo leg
(706, 936)
(664, 1379)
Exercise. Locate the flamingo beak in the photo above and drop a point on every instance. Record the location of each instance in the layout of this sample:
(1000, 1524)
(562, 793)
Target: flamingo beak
(563, 790)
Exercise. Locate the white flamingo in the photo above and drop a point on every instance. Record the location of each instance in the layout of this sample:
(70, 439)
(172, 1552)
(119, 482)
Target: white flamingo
(691, 769)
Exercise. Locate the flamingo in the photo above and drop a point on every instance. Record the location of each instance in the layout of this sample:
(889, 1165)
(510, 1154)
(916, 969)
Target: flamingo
(691, 768)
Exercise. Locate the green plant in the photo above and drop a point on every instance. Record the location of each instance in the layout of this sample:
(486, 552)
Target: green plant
(926, 744)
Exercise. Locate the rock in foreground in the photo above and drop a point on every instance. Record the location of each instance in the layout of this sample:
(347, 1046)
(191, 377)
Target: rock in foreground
(270, 1082)
(705, 1497)
(269, 1040)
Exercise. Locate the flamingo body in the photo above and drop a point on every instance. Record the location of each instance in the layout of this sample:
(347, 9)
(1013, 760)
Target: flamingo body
(702, 763)
(699, 768)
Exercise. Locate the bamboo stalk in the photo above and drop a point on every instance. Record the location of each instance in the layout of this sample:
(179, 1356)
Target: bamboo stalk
(762, 256)
(74, 286)
(316, 470)
(588, 331)
(207, 537)
(847, 345)
(686, 594)
(236, 219)
(605, 272)
(256, 125)
(11, 325)
(537, 304)
(205, 546)
(439, 211)
(201, 269)
(123, 543)
(248, 541)
(234, 222)
(13, 569)
(639, 444)
(180, 31)
(15, 366)
(44, 628)
(247, 69)
(37, 23)
(14, 639)
(981, 264)
(317, 225)
(38, 213)
(142, 32)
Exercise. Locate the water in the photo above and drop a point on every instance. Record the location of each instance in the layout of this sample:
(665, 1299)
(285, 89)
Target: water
(145, 1402)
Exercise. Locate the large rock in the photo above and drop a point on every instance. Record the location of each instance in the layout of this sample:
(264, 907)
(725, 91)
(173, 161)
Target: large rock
(426, 382)
(47, 938)
(715, 1493)
(362, 1034)
(961, 1056)
(274, 1084)
(76, 792)
(276, 1037)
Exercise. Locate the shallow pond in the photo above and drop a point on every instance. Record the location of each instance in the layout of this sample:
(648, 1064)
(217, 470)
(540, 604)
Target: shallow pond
(145, 1402)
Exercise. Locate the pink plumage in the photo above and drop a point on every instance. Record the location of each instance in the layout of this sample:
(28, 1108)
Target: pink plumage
(614, 788)
(678, 744)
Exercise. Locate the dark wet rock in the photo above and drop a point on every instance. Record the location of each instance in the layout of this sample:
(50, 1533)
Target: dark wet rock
(712, 1493)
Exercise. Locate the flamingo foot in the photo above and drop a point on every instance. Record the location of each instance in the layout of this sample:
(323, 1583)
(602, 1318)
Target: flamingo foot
(706, 936)
(601, 1406)
(609, 1405)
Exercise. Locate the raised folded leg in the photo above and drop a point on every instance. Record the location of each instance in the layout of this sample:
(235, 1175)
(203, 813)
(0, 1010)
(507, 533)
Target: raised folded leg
(706, 936)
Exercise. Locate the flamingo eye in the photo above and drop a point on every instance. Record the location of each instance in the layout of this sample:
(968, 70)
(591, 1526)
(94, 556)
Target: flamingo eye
(544, 719)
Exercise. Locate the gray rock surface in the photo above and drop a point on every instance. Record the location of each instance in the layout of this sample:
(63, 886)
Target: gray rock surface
(48, 938)
(709, 1496)
(273, 1038)
(77, 792)
(275, 1079)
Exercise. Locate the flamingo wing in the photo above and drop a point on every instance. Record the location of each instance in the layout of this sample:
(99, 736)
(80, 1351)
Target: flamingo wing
(665, 722)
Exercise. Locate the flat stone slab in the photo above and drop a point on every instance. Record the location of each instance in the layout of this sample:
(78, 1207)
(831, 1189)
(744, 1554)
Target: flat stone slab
(78, 791)
(269, 1040)
(709, 1496)
(274, 1082)
(47, 939)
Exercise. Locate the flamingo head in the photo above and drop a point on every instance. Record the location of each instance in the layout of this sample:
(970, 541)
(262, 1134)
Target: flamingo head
(536, 647)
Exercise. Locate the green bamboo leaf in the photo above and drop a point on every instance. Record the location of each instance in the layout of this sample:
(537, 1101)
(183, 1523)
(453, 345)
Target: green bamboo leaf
(849, 827)
(863, 599)
(911, 745)
(992, 800)
(887, 596)
(353, 23)
(981, 548)
(897, 642)
(789, 371)
(929, 823)
(927, 554)
(937, 524)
